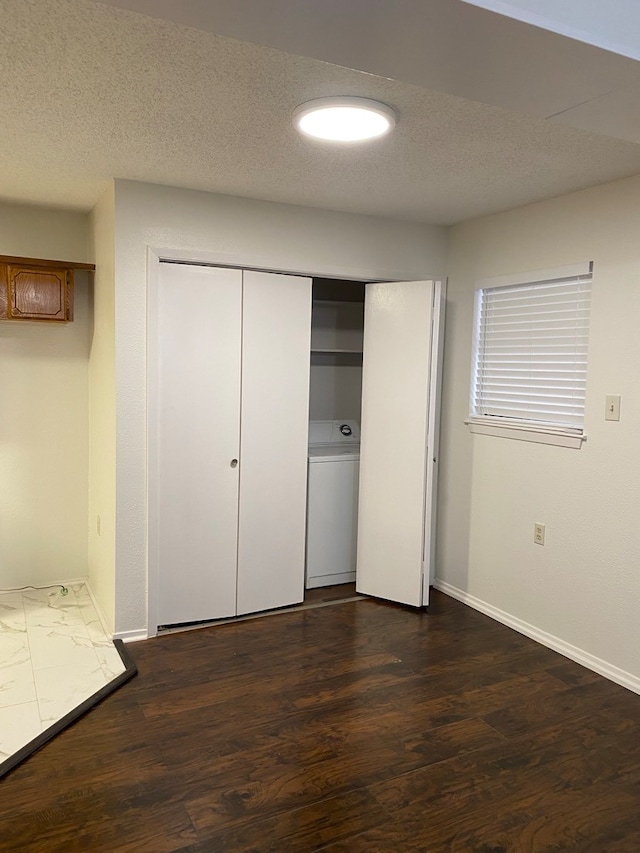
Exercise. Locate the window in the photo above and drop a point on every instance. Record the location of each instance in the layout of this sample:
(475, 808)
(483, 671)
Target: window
(530, 356)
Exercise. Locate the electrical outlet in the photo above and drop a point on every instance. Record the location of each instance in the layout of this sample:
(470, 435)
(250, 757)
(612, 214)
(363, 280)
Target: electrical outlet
(538, 533)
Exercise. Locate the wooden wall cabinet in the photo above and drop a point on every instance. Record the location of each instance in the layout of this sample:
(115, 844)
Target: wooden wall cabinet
(33, 289)
(36, 293)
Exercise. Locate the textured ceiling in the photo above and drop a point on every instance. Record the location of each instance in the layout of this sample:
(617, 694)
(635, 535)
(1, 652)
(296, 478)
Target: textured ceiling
(91, 92)
(445, 45)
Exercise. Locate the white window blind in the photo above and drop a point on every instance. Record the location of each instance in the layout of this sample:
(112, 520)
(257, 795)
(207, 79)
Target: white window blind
(530, 354)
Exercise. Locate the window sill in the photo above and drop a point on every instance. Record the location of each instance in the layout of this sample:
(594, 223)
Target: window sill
(539, 435)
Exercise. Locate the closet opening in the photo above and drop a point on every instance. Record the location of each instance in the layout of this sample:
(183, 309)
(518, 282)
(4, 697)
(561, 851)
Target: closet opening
(335, 408)
(259, 490)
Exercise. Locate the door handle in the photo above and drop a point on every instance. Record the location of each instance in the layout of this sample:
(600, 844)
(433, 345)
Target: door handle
(234, 463)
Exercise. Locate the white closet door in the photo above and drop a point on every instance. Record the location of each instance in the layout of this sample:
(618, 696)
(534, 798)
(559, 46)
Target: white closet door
(274, 436)
(199, 351)
(393, 449)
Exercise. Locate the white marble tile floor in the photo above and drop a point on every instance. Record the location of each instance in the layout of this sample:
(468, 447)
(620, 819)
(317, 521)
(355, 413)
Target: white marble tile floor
(54, 654)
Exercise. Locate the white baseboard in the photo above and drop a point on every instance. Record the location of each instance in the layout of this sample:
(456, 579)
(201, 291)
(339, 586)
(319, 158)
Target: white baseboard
(602, 667)
(330, 580)
(101, 616)
(125, 636)
(47, 584)
(69, 582)
(130, 636)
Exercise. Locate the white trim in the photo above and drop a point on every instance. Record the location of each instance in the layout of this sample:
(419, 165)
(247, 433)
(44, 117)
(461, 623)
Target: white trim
(595, 664)
(527, 433)
(535, 276)
(101, 615)
(329, 580)
(433, 437)
(130, 636)
(66, 583)
(151, 380)
(260, 263)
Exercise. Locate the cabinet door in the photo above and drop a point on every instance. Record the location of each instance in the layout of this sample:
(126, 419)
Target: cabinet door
(394, 435)
(198, 429)
(274, 437)
(37, 293)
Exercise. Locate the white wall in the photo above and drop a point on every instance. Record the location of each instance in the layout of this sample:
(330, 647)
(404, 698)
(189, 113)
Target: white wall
(102, 412)
(43, 414)
(42, 232)
(581, 590)
(235, 231)
(335, 391)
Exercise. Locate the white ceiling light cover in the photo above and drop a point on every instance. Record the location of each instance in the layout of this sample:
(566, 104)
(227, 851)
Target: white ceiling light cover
(344, 119)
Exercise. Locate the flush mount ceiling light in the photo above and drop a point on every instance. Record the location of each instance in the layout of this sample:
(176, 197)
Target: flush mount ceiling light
(344, 119)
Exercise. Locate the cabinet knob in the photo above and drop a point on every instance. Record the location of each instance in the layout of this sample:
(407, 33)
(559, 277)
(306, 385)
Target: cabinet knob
(234, 463)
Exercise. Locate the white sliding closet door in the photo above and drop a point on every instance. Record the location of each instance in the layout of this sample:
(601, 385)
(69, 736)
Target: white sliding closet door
(274, 436)
(198, 350)
(393, 452)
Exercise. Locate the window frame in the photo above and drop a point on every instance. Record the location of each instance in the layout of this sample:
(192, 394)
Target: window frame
(522, 429)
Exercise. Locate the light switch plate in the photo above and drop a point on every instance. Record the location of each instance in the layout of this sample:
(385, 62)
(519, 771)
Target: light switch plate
(612, 407)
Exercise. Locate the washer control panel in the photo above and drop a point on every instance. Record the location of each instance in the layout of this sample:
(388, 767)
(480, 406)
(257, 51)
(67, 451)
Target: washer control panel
(334, 432)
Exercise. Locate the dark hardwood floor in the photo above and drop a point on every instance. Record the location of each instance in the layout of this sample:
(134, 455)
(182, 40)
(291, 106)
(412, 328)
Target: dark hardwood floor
(349, 728)
(323, 594)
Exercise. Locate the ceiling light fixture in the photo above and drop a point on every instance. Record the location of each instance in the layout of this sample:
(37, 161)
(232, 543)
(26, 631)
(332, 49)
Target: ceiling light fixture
(344, 119)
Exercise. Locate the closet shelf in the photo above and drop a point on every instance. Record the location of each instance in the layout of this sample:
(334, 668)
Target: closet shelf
(340, 303)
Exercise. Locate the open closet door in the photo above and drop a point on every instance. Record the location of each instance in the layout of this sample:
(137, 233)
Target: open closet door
(399, 389)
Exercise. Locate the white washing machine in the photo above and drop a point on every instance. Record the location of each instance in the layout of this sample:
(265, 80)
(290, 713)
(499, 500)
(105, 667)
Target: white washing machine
(332, 502)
